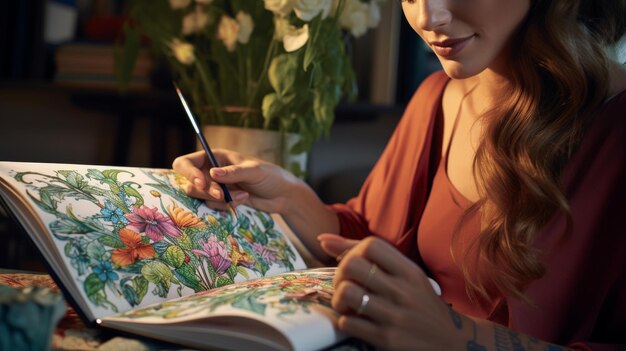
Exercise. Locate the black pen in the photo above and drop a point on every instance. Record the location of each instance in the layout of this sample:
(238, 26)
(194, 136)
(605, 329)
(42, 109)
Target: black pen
(207, 150)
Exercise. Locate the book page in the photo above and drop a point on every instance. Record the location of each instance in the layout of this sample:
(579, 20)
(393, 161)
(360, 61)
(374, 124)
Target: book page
(130, 237)
(297, 304)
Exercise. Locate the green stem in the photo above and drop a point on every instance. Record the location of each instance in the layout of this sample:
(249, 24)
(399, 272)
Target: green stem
(266, 64)
(210, 93)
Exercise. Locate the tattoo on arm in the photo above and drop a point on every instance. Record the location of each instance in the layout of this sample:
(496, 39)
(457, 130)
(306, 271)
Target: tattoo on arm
(506, 339)
(473, 345)
(509, 340)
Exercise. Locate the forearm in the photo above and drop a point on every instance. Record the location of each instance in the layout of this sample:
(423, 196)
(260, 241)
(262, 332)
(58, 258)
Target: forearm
(483, 335)
(308, 217)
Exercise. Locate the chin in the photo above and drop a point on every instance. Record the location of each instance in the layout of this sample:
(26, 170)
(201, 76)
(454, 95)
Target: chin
(460, 70)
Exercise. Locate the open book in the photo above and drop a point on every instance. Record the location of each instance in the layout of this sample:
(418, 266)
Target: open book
(133, 252)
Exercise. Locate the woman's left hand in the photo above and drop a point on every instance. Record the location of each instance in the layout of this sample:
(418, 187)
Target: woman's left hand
(386, 299)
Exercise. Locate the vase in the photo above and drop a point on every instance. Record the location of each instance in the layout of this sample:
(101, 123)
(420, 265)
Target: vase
(267, 145)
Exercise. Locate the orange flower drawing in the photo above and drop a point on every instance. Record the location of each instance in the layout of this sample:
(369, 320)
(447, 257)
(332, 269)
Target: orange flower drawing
(135, 249)
(183, 218)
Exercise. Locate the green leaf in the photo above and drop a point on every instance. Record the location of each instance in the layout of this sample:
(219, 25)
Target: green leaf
(132, 192)
(68, 248)
(95, 174)
(66, 226)
(265, 219)
(174, 255)
(110, 241)
(223, 281)
(232, 272)
(95, 251)
(130, 295)
(282, 73)
(250, 303)
(93, 285)
(270, 108)
(157, 273)
(186, 275)
(74, 179)
(141, 287)
(185, 241)
(112, 173)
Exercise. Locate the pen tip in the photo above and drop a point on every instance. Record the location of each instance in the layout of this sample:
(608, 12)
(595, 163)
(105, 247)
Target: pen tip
(232, 210)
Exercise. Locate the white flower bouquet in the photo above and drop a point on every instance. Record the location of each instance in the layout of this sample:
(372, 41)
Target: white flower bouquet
(273, 64)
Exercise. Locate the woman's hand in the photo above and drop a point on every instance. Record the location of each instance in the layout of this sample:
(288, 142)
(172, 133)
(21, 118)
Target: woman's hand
(387, 300)
(259, 184)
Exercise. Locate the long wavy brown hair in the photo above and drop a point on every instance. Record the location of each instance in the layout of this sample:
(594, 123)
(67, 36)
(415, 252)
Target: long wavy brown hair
(560, 77)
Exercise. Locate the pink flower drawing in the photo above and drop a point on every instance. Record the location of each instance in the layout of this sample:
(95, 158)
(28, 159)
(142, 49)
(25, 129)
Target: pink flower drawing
(150, 221)
(217, 254)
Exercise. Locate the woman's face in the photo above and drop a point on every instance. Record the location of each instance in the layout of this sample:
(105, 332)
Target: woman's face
(468, 36)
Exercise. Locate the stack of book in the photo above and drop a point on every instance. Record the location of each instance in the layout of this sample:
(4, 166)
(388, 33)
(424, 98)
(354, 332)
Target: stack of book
(93, 66)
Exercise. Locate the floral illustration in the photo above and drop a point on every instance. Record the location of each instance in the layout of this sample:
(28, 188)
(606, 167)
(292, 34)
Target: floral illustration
(285, 294)
(132, 233)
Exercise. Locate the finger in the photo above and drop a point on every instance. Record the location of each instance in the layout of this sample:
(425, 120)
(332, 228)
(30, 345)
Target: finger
(245, 172)
(351, 299)
(239, 197)
(215, 191)
(190, 167)
(366, 274)
(335, 245)
(388, 258)
(361, 328)
(398, 269)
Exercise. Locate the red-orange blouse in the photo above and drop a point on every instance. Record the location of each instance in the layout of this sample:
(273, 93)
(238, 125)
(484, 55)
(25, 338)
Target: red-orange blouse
(581, 300)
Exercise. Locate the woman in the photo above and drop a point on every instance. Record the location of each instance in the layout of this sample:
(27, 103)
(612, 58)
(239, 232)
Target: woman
(504, 182)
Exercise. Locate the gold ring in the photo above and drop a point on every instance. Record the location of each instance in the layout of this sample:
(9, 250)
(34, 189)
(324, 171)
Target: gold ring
(364, 301)
(370, 274)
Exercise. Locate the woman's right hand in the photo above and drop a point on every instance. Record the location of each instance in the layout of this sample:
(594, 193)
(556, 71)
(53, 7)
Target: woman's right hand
(251, 181)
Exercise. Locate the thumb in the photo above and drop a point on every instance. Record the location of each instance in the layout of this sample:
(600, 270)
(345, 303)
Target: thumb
(335, 245)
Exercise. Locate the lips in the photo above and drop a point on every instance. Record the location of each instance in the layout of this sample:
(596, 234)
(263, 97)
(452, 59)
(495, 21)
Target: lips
(450, 47)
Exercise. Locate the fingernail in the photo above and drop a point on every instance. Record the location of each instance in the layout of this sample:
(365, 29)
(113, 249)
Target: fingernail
(197, 182)
(215, 193)
(218, 172)
(241, 196)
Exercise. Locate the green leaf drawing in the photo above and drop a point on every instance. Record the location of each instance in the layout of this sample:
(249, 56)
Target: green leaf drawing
(130, 295)
(187, 276)
(141, 286)
(110, 240)
(185, 241)
(132, 192)
(96, 251)
(174, 256)
(223, 281)
(249, 302)
(74, 179)
(157, 272)
(160, 275)
(93, 285)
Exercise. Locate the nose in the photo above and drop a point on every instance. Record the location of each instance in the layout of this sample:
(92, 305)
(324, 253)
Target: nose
(433, 14)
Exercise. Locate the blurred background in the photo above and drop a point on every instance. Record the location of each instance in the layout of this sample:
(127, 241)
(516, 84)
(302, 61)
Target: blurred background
(59, 100)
